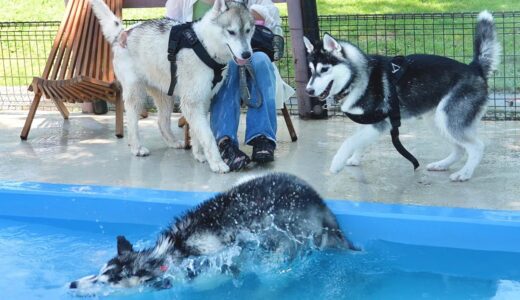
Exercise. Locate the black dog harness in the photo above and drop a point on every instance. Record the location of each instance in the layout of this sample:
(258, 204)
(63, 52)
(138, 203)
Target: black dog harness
(395, 70)
(183, 36)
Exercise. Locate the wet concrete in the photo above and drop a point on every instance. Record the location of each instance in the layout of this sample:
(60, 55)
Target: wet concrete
(84, 150)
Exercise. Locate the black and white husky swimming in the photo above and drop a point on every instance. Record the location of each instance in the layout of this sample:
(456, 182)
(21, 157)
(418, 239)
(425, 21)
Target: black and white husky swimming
(455, 91)
(283, 213)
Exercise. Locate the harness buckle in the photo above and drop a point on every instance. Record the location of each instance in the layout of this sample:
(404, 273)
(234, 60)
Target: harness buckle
(190, 36)
(395, 68)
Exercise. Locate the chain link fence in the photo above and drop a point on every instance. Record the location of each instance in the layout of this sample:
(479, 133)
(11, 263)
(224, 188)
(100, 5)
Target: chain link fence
(24, 47)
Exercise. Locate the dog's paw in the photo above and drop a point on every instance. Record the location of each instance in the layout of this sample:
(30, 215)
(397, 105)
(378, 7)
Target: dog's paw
(336, 166)
(219, 167)
(353, 161)
(436, 166)
(140, 151)
(176, 144)
(199, 156)
(460, 176)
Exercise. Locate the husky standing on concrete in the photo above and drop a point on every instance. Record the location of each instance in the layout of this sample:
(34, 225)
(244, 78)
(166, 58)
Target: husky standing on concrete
(281, 212)
(455, 91)
(142, 68)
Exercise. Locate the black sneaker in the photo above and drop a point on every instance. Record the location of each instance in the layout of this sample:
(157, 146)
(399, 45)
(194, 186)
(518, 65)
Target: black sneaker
(263, 149)
(232, 156)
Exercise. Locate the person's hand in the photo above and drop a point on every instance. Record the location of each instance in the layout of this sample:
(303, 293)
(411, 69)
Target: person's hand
(257, 16)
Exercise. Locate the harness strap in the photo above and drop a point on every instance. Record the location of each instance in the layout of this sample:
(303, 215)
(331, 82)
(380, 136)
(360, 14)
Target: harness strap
(397, 68)
(183, 36)
(246, 73)
(395, 71)
(210, 62)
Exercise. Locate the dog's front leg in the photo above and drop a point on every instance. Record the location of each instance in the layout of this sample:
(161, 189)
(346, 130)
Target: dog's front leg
(352, 149)
(196, 149)
(198, 120)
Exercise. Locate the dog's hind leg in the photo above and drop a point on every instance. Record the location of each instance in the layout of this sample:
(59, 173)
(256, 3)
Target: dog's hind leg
(443, 165)
(457, 121)
(133, 95)
(475, 149)
(164, 105)
(352, 149)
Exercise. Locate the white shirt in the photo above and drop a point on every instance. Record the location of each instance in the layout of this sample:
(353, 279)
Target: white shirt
(182, 11)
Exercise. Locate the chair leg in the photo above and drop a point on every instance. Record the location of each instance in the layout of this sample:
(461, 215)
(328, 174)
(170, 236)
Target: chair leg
(187, 137)
(30, 116)
(119, 116)
(62, 109)
(59, 103)
(289, 123)
(182, 123)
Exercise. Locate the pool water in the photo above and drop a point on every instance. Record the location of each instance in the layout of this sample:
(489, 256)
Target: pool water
(39, 257)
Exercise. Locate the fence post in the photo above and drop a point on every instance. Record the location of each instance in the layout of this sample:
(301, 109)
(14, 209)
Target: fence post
(295, 15)
(311, 29)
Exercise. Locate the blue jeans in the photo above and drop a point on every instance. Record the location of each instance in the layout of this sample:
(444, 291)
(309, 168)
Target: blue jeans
(225, 106)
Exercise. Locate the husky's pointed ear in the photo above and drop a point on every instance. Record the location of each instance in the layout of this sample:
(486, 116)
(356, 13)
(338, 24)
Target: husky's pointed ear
(220, 6)
(123, 245)
(308, 45)
(330, 44)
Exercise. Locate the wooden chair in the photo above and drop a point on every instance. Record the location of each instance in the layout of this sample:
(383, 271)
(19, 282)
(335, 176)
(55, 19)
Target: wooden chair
(287, 117)
(79, 67)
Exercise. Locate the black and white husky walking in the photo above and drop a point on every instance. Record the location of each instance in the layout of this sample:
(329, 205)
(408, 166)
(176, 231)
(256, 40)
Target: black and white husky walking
(455, 91)
(282, 212)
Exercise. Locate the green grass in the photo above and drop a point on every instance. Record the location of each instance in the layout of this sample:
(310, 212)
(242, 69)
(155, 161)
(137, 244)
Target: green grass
(374, 36)
(52, 10)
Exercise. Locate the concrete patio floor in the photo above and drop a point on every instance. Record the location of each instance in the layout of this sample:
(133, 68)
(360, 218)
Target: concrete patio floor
(84, 150)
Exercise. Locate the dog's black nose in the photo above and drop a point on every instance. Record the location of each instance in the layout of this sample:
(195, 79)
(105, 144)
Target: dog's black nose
(73, 285)
(310, 91)
(246, 55)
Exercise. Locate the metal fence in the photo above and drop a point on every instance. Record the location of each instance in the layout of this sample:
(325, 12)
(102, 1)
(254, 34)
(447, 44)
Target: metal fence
(24, 47)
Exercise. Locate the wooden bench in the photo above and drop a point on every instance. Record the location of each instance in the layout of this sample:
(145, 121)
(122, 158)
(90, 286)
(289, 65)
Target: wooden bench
(79, 66)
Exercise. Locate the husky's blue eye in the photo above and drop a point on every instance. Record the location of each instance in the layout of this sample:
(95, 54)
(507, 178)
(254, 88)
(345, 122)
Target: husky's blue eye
(231, 32)
(324, 69)
(249, 30)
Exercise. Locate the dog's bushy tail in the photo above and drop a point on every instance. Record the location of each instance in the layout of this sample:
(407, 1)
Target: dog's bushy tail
(110, 24)
(486, 48)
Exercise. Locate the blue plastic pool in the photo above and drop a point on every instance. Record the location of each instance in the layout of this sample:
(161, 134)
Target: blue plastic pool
(52, 234)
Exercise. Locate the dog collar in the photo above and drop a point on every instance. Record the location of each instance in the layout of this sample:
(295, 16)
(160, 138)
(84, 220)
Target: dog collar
(345, 90)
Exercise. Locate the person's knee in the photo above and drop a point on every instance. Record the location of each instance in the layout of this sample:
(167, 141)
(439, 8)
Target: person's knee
(260, 60)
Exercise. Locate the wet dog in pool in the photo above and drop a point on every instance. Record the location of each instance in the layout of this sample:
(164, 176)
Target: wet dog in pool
(279, 212)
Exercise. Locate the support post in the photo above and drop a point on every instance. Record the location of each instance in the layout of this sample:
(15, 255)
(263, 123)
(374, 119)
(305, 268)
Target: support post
(300, 61)
(311, 29)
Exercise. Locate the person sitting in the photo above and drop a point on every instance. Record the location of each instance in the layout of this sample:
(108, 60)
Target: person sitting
(261, 123)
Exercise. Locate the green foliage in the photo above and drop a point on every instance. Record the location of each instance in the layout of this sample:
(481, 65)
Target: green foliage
(52, 10)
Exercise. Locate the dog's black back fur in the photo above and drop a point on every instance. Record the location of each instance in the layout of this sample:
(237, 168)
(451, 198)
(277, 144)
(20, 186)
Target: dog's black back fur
(442, 76)
(290, 203)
